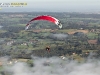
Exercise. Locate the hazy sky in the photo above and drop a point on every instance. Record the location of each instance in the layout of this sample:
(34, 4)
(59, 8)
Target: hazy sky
(55, 5)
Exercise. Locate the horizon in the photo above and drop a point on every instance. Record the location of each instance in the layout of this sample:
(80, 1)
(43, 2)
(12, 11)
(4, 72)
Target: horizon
(53, 6)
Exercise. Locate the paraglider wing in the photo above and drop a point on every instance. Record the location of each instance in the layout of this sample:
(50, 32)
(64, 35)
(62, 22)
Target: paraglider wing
(45, 17)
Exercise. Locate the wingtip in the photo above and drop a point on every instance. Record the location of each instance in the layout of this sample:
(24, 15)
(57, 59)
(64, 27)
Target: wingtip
(60, 26)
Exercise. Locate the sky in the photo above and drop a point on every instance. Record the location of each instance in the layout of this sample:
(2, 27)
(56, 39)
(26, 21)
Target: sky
(54, 5)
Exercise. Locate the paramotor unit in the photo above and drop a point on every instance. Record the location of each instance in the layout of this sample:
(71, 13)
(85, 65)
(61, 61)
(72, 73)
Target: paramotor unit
(48, 48)
(47, 18)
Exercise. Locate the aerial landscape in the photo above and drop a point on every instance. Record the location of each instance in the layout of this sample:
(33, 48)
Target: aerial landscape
(49, 42)
(77, 39)
(79, 34)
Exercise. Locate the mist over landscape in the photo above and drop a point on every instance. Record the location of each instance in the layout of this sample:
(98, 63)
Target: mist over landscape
(55, 66)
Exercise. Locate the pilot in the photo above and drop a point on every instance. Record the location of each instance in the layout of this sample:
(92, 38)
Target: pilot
(48, 48)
